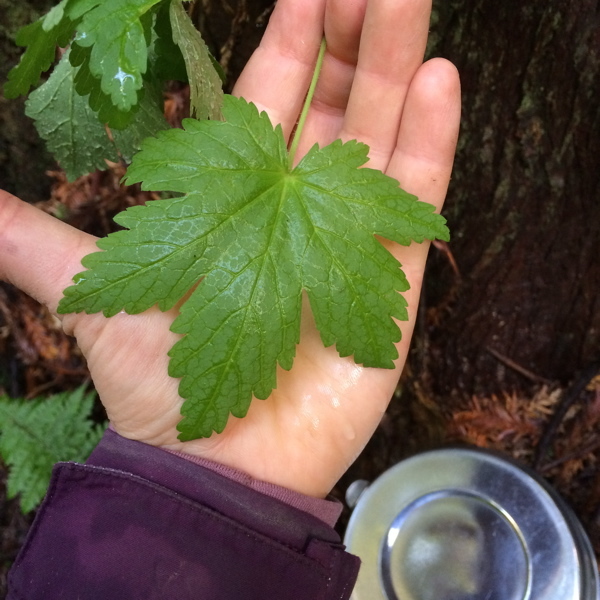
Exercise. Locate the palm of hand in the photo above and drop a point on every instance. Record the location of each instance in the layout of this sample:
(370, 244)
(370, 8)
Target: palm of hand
(325, 409)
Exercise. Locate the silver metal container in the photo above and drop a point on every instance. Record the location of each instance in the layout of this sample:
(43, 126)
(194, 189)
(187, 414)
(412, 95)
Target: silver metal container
(464, 524)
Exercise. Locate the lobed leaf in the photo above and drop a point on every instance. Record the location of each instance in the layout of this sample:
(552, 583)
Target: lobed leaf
(72, 131)
(88, 85)
(206, 95)
(75, 9)
(147, 120)
(255, 234)
(168, 63)
(40, 38)
(118, 31)
(66, 122)
(54, 16)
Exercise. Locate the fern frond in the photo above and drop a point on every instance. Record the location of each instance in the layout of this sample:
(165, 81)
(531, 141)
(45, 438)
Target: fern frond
(36, 434)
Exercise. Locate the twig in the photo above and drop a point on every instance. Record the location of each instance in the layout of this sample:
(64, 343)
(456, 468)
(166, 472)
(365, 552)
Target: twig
(518, 368)
(444, 248)
(580, 453)
(569, 398)
(239, 18)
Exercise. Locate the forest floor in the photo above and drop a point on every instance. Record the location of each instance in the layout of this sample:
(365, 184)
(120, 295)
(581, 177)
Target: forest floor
(553, 430)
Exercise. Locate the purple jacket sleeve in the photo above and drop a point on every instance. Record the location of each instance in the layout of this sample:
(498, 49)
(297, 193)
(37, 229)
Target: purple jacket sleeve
(139, 523)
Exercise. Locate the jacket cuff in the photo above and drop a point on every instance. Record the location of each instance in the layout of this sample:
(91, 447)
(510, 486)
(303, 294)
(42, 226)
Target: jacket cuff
(137, 522)
(327, 510)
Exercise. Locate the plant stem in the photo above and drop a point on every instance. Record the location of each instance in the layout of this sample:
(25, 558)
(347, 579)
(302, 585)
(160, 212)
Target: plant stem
(307, 102)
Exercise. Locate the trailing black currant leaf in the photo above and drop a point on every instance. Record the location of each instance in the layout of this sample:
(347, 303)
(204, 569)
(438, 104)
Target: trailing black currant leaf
(255, 232)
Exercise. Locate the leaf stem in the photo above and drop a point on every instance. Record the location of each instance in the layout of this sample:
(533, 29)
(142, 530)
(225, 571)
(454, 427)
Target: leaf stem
(307, 102)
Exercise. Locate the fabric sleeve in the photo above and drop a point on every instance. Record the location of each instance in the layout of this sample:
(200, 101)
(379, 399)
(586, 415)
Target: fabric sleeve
(138, 523)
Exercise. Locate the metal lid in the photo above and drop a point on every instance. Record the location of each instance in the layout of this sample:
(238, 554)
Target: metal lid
(463, 524)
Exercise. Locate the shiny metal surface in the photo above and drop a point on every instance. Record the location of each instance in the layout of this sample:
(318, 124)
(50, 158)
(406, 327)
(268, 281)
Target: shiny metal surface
(355, 491)
(462, 524)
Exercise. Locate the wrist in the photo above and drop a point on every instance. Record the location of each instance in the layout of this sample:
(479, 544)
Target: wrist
(178, 470)
(327, 509)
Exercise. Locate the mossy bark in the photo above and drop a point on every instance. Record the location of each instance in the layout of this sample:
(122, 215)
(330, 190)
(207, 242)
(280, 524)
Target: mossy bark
(524, 204)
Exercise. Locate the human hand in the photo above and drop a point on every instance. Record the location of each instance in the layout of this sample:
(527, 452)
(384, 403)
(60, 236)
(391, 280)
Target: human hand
(324, 410)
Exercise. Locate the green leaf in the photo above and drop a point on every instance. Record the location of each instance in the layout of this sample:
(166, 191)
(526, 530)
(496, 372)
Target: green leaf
(88, 85)
(118, 33)
(69, 126)
(75, 9)
(36, 434)
(147, 120)
(256, 234)
(206, 95)
(41, 39)
(166, 60)
(78, 140)
(54, 16)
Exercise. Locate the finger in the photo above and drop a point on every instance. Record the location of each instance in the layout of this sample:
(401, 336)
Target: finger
(426, 143)
(278, 74)
(424, 154)
(38, 253)
(392, 47)
(343, 26)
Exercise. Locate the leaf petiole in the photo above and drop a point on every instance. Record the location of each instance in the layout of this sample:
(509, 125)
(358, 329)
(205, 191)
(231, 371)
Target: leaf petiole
(307, 102)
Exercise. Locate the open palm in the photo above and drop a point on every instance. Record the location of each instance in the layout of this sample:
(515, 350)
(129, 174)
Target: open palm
(373, 87)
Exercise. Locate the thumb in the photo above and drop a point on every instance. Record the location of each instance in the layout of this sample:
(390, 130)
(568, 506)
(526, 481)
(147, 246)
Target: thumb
(38, 253)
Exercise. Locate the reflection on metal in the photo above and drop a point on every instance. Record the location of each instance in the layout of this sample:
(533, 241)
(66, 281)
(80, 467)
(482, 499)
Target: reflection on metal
(462, 524)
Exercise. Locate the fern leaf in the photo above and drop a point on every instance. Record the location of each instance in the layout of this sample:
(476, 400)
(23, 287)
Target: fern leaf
(35, 434)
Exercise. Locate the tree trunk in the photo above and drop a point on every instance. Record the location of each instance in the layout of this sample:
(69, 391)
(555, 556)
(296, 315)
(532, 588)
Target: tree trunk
(519, 298)
(524, 204)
